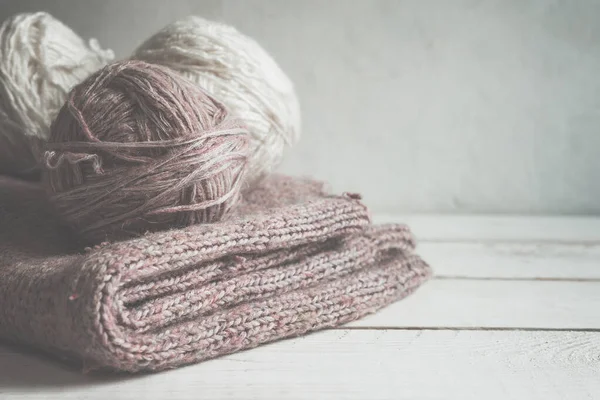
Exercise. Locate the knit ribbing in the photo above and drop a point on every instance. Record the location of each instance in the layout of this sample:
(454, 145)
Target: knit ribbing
(292, 259)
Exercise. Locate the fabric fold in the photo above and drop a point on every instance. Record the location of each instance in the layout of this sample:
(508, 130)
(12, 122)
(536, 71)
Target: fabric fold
(290, 260)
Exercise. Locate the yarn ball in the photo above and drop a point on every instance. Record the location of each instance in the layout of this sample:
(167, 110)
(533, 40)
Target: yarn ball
(138, 148)
(238, 71)
(41, 59)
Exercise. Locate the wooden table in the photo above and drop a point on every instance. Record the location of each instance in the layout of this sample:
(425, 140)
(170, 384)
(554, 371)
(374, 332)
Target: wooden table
(513, 313)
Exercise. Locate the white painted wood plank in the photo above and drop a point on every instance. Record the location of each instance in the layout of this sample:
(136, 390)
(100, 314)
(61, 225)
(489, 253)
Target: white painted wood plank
(513, 260)
(494, 303)
(498, 228)
(348, 365)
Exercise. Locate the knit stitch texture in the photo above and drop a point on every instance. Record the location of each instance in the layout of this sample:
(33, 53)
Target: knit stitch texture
(292, 259)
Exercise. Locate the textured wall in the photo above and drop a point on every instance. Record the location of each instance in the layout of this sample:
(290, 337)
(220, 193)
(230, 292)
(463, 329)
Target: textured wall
(422, 105)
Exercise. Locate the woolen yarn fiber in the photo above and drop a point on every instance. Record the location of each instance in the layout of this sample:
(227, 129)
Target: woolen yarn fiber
(41, 59)
(138, 148)
(238, 71)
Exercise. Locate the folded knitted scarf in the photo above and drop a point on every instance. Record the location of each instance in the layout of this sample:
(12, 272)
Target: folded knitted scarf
(290, 260)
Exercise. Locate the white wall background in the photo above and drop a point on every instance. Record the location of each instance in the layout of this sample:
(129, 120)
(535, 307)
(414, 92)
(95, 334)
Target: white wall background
(421, 105)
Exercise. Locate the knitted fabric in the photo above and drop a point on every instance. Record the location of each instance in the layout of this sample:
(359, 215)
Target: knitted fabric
(292, 259)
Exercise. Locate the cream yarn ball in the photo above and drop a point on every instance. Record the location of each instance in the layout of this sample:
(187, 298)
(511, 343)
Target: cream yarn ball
(41, 59)
(239, 72)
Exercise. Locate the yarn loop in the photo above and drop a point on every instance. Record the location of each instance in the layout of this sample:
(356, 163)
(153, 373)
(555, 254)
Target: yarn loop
(138, 148)
(41, 59)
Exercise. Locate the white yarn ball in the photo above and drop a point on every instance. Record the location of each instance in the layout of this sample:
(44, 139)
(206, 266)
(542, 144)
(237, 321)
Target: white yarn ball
(41, 59)
(238, 71)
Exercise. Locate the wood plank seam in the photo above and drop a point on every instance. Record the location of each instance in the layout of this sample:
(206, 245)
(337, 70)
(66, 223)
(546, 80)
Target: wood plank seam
(540, 279)
(590, 243)
(462, 328)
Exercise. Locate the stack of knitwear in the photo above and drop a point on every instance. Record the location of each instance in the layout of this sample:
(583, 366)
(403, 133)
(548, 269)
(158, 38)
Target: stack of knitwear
(290, 259)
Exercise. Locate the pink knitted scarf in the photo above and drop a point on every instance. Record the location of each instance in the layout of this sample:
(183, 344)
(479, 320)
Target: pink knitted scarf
(292, 259)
